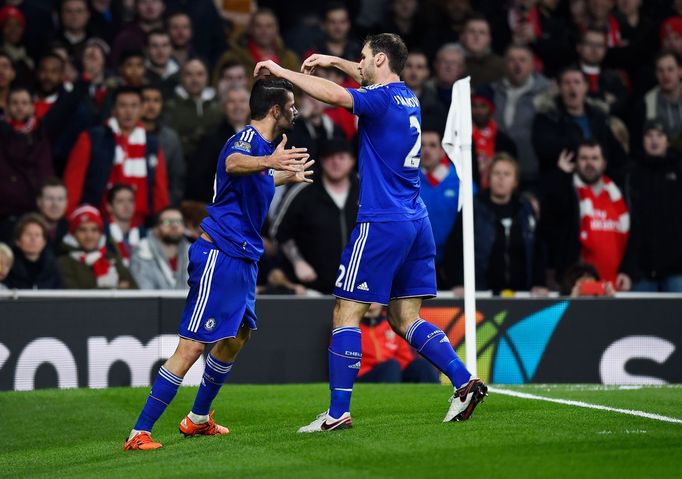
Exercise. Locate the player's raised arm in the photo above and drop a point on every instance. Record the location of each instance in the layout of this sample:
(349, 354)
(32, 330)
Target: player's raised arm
(292, 160)
(352, 69)
(319, 88)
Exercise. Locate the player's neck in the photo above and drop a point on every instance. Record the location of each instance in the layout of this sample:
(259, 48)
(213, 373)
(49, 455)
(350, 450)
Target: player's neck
(266, 128)
(385, 77)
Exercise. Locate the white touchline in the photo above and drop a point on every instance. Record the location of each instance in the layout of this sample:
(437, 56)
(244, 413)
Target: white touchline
(569, 402)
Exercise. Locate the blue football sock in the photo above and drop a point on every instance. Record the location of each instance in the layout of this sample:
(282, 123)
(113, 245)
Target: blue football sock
(163, 391)
(345, 354)
(215, 374)
(434, 345)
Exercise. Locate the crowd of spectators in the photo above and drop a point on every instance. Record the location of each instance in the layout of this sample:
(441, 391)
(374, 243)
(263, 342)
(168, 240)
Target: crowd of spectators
(113, 113)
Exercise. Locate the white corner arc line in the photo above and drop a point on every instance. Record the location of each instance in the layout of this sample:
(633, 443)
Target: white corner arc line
(570, 402)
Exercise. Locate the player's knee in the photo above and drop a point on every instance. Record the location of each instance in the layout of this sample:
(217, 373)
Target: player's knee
(189, 352)
(348, 314)
(398, 323)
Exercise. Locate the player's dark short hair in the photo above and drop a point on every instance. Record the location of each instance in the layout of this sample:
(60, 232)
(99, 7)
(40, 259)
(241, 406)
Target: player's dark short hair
(125, 90)
(390, 45)
(266, 93)
(116, 189)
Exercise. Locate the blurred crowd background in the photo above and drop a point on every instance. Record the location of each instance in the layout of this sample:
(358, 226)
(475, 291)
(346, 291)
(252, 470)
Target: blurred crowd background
(113, 114)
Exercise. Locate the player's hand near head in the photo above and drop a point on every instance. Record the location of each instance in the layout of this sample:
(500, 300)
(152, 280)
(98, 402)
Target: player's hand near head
(293, 159)
(267, 67)
(316, 60)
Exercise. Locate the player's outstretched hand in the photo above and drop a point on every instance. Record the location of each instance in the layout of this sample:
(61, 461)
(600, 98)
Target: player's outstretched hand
(267, 67)
(304, 176)
(314, 61)
(293, 159)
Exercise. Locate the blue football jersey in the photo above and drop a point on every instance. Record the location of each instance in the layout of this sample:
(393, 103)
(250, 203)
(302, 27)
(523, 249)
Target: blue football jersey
(389, 153)
(240, 203)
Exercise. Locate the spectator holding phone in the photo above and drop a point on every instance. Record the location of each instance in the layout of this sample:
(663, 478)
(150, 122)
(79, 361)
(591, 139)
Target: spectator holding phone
(582, 280)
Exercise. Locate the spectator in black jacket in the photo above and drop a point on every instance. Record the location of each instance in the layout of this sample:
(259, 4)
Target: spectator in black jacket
(35, 267)
(562, 123)
(316, 220)
(655, 188)
(508, 253)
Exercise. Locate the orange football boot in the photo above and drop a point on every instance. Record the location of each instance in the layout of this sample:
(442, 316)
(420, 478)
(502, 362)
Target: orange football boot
(141, 441)
(210, 428)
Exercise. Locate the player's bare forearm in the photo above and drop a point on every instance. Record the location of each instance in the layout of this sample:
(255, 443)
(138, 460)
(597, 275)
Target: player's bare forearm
(317, 60)
(348, 67)
(239, 165)
(320, 89)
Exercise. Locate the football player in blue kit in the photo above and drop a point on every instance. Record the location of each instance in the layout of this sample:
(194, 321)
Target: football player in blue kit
(390, 257)
(223, 262)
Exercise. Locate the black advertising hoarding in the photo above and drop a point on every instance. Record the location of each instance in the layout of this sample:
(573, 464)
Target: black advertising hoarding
(104, 342)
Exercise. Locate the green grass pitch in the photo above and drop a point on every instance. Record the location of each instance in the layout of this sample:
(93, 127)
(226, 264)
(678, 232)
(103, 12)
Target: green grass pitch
(397, 433)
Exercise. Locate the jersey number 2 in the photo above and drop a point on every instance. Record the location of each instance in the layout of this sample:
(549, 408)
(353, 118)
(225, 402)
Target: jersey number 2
(412, 158)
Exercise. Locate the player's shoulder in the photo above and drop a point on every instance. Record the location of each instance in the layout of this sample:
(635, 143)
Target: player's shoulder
(245, 139)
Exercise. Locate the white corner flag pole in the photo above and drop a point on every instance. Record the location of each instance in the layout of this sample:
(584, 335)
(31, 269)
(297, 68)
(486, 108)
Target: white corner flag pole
(457, 144)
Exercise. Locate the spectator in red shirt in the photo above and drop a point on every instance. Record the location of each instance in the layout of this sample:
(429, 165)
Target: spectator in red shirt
(388, 358)
(123, 155)
(584, 216)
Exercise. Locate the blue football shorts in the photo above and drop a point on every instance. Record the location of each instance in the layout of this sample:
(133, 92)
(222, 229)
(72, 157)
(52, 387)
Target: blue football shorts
(388, 260)
(222, 294)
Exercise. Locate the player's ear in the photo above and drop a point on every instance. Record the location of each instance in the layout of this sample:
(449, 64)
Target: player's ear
(380, 58)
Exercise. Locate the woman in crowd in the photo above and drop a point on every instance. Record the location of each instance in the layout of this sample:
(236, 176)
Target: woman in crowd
(507, 254)
(34, 264)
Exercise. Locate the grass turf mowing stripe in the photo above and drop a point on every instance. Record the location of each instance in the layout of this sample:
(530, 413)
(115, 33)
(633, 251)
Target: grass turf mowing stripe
(569, 402)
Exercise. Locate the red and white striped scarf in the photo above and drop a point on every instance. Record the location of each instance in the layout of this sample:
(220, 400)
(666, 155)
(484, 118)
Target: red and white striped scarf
(116, 234)
(105, 272)
(129, 160)
(604, 226)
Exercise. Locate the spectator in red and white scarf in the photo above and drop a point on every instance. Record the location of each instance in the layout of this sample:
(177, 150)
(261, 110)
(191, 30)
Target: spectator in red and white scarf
(122, 231)
(118, 152)
(584, 216)
(87, 264)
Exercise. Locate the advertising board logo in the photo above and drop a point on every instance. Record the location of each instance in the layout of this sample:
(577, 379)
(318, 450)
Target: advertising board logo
(508, 352)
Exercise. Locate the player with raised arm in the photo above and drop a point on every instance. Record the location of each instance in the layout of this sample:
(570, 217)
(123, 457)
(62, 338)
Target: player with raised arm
(390, 257)
(223, 262)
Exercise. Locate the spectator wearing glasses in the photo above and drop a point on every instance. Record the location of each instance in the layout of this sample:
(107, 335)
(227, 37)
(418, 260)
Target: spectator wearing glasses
(160, 260)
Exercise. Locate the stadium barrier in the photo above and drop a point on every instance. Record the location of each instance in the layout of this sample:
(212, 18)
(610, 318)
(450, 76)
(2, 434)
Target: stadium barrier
(105, 339)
